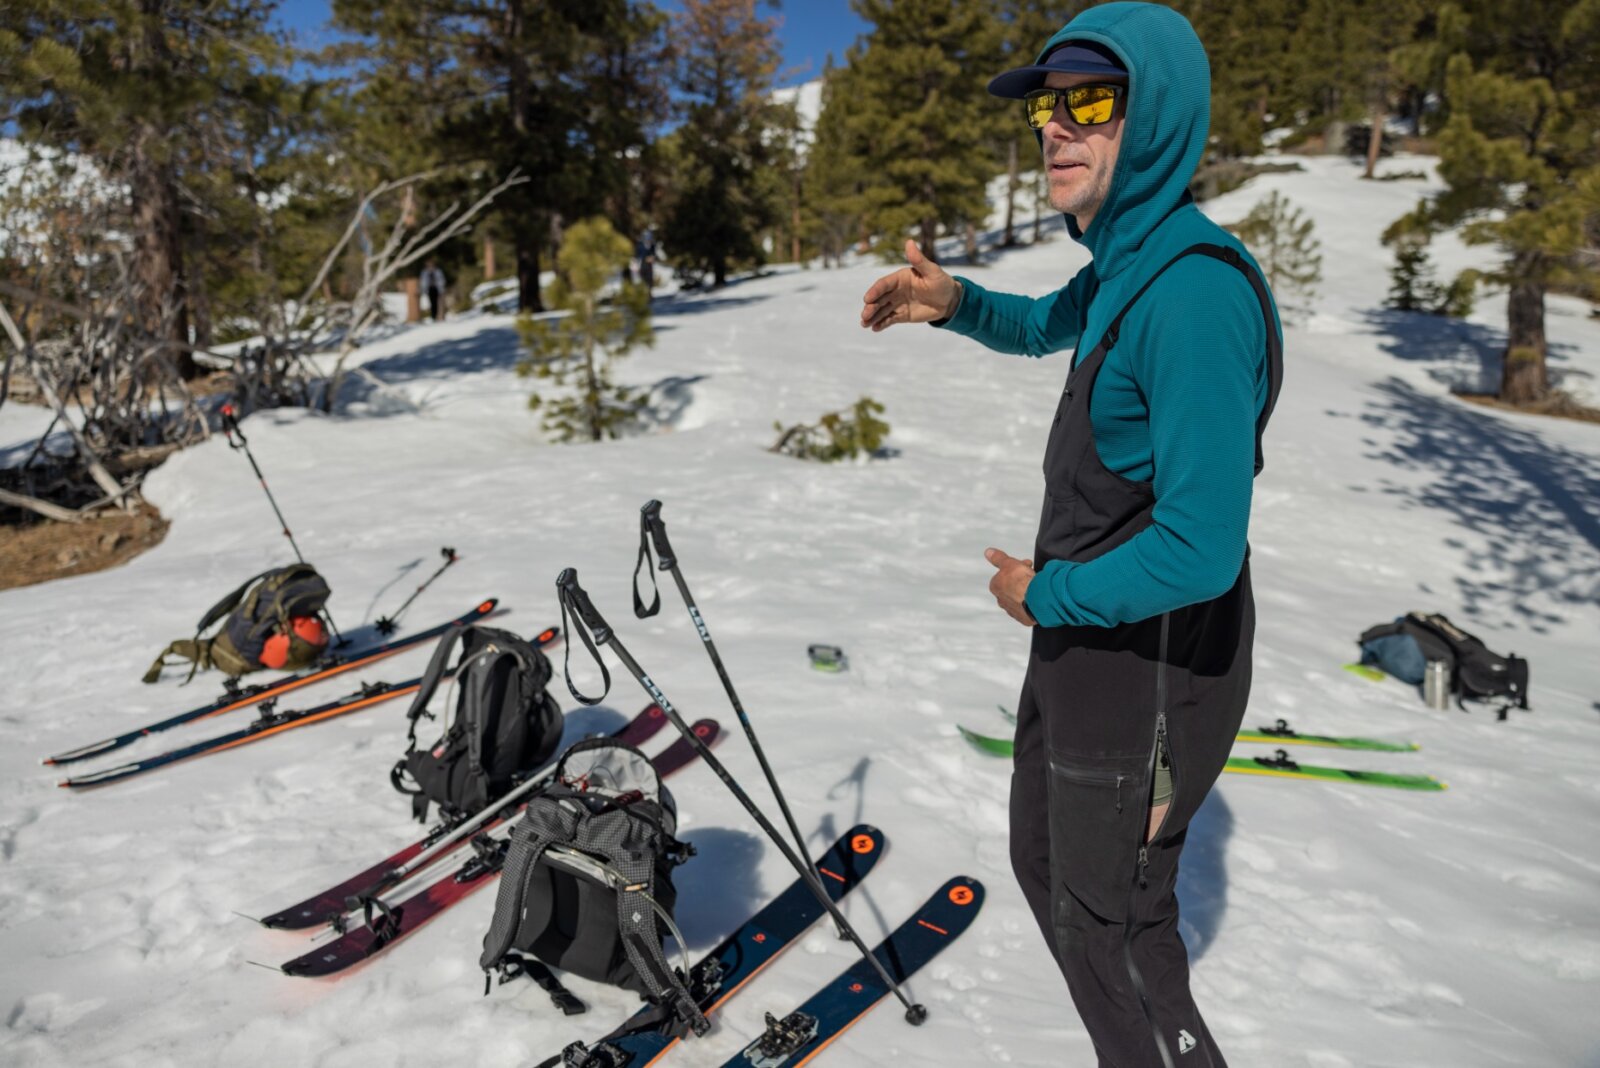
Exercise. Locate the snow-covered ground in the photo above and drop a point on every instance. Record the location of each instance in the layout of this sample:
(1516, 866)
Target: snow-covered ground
(1329, 926)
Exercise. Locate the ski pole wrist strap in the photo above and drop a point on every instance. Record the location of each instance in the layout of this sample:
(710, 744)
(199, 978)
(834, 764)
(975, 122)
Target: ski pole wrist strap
(639, 607)
(584, 620)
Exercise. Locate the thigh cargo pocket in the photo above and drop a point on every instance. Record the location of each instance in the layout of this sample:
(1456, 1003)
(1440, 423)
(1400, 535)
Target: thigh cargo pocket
(1098, 809)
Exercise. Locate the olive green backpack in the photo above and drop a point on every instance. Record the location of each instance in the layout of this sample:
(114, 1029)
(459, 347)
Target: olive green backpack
(262, 607)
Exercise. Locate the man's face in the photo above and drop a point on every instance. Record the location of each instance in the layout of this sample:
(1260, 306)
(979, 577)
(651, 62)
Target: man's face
(1079, 160)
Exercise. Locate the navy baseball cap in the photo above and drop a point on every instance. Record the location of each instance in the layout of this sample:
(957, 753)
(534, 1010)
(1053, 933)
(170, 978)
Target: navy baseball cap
(1071, 57)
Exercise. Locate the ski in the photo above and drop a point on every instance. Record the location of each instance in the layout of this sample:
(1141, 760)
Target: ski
(836, 1007)
(243, 696)
(1279, 765)
(750, 948)
(1281, 733)
(269, 722)
(324, 907)
(387, 924)
(1282, 766)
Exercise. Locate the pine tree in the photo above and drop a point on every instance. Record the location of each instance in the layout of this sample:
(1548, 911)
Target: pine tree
(567, 92)
(1023, 27)
(921, 109)
(836, 169)
(1520, 155)
(1280, 237)
(147, 89)
(1412, 286)
(581, 346)
(726, 57)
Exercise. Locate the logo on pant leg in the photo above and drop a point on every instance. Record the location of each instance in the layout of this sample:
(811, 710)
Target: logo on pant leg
(1186, 1042)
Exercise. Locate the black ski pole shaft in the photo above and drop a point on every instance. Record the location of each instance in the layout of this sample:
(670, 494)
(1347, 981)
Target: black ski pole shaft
(230, 430)
(651, 524)
(595, 629)
(387, 624)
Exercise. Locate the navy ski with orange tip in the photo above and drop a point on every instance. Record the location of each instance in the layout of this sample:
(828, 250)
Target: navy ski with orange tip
(268, 723)
(722, 972)
(244, 696)
(834, 1009)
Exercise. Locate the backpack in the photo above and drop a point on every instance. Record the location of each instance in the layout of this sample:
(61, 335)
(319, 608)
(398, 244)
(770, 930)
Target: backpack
(272, 621)
(587, 884)
(1404, 647)
(505, 725)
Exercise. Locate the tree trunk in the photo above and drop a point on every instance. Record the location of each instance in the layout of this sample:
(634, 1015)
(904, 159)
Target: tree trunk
(1525, 378)
(1375, 140)
(929, 240)
(527, 253)
(972, 244)
(488, 258)
(158, 243)
(413, 299)
(1012, 182)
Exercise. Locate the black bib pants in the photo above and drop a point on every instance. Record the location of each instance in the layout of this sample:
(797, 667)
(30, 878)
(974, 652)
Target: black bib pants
(1096, 705)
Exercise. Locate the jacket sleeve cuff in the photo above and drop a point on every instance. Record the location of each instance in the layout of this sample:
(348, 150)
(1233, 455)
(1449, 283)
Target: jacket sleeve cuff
(1041, 598)
(964, 320)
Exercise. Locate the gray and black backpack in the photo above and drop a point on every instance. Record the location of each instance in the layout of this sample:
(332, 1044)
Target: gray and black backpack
(587, 885)
(273, 620)
(505, 725)
(1404, 647)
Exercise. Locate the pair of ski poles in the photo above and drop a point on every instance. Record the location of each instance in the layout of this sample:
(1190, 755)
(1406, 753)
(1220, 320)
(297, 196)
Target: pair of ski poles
(593, 629)
(386, 625)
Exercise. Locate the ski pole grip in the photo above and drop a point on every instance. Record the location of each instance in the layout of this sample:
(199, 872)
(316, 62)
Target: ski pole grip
(573, 594)
(650, 517)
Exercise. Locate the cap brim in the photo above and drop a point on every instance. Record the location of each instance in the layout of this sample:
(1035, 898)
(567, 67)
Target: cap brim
(1016, 84)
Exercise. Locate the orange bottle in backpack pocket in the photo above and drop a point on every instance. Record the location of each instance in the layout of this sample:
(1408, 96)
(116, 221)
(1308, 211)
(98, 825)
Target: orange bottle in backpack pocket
(307, 628)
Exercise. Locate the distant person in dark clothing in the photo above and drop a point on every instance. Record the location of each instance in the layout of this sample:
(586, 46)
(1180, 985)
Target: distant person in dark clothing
(433, 288)
(645, 252)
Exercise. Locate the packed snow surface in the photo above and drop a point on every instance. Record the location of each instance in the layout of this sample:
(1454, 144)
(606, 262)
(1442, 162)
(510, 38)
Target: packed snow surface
(1329, 926)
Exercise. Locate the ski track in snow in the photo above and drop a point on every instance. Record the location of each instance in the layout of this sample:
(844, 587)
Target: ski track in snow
(1329, 926)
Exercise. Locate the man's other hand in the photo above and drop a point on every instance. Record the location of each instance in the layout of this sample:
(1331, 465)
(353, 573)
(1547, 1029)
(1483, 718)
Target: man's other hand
(1010, 585)
(919, 293)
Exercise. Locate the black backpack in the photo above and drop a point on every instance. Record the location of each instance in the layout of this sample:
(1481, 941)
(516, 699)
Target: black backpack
(259, 609)
(587, 884)
(1403, 648)
(505, 725)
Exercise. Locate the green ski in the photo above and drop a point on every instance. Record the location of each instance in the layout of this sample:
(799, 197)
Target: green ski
(1281, 733)
(1279, 765)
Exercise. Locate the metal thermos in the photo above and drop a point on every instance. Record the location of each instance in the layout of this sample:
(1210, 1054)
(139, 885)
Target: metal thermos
(1436, 684)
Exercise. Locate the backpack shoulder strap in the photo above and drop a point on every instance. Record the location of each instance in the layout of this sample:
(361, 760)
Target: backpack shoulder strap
(430, 679)
(230, 602)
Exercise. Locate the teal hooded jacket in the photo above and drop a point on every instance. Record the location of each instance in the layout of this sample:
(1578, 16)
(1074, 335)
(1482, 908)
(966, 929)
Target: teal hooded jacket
(1177, 400)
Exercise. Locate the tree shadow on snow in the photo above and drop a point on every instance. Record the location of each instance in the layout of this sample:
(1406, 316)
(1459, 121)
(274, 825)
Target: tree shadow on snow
(1466, 357)
(1533, 505)
(718, 885)
(496, 348)
(1203, 874)
(669, 399)
(699, 301)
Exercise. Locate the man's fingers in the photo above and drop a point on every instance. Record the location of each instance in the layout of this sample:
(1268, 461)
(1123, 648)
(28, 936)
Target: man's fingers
(995, 556)
(914, 256)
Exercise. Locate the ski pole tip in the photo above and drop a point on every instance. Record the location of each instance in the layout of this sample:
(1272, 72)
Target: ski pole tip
(917, 1015)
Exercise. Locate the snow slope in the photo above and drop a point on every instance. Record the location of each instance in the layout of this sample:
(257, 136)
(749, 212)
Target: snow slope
(1329, 926)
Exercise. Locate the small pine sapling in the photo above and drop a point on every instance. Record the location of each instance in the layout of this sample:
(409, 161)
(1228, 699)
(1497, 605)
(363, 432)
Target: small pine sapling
(579, 346)
(841, 435)
(1280, 237)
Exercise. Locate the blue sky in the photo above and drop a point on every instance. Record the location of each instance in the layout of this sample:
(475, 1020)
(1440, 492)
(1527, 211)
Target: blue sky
(811, 29)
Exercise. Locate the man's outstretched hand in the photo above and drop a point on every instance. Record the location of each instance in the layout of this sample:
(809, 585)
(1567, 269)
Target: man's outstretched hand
(1010, 585)
(919, 293)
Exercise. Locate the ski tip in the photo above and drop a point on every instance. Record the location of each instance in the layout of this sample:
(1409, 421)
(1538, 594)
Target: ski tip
(488, 605)
(48, 762)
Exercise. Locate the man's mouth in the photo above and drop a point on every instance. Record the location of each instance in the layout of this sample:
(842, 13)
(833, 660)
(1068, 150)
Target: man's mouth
(1065, 165)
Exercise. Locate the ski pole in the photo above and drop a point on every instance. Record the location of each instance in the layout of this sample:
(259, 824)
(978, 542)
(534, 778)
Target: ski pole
(653, 529)
(230, 429)
(593, 628)
(386, 624)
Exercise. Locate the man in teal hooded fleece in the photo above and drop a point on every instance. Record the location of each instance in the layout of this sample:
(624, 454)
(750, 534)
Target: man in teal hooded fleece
(1138, 590)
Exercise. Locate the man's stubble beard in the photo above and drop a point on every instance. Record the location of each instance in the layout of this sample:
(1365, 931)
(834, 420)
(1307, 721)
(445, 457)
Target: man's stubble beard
(1082, 198)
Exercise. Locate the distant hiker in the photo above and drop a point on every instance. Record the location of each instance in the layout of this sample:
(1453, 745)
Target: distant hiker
(433, 287)
(644, 250)
(1138, 588)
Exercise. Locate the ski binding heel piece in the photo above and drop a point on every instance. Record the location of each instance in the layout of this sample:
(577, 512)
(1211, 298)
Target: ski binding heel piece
(781, 1040)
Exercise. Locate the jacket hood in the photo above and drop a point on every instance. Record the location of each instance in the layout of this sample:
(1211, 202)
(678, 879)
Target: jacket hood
(1164, 131)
